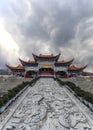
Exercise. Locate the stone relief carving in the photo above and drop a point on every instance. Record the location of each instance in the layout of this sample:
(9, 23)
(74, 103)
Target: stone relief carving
(47, 107)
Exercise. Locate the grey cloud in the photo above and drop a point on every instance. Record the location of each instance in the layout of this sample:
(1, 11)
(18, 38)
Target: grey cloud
(63, 20)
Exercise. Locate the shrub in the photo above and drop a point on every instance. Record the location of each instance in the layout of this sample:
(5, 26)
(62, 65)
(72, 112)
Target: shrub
(1, 102)
(78, 91)
(5, 98)
(11, 93)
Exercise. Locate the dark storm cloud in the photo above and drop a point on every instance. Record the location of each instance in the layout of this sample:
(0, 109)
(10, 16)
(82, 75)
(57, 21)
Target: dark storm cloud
(51, 23)
(59, 25)
(54, 22)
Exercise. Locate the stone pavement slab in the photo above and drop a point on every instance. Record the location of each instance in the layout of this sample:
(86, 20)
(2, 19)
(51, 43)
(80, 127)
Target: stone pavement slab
(47, 106)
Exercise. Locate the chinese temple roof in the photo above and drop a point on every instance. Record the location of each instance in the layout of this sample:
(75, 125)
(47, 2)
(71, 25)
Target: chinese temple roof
(19, 67)
(74, 68)
(45, 56)
(27, 62)
(64, 62)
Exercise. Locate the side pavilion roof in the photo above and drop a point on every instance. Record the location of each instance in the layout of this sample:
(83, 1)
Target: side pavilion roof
(66, 63)
(29, 62)
(74, 68)
(19, 67)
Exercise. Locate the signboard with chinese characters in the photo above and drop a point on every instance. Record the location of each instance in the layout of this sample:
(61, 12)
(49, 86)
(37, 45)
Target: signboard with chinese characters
(45, 65)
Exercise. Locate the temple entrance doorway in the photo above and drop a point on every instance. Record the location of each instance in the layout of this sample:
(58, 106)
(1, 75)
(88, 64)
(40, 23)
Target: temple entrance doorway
(46, 72)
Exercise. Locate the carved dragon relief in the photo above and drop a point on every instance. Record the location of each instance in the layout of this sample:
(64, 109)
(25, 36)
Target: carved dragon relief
(47, 107)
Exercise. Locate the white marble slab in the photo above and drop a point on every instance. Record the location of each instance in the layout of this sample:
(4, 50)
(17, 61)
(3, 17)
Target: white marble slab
(47, 106)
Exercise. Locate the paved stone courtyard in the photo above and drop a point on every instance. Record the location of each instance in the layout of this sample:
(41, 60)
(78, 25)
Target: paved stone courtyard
(47, 106)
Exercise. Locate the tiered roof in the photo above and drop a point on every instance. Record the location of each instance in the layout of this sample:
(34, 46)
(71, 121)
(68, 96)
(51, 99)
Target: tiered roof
(74, 68)
(29, 62)
(71, 68)
(19, 67)
(64, 63)
(51, 56)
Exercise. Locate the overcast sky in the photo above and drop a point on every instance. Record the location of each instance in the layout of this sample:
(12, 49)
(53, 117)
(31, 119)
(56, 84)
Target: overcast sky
(46, 26)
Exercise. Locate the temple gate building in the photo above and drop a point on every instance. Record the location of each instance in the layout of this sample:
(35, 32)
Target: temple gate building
(46, 65)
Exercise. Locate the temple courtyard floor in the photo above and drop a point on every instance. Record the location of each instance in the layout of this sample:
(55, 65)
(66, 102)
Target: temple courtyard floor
(47, 106)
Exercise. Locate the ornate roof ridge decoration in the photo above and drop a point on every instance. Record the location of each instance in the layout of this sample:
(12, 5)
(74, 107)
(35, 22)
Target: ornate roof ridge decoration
(18, 67)
(46, 55)
(73, 67)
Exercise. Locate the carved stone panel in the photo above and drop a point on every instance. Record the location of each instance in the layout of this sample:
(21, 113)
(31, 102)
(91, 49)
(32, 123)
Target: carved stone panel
(48, 107)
